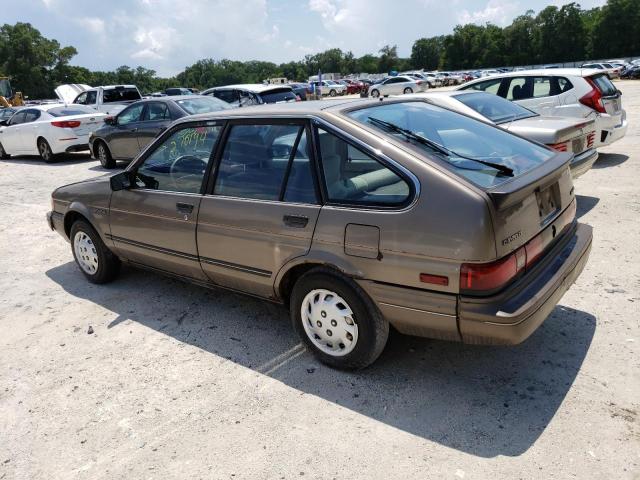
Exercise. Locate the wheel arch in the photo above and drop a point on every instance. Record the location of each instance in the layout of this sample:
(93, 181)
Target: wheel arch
(78, 211)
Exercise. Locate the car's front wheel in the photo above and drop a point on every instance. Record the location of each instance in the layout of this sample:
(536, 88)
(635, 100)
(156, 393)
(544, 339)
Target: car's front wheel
(104, 156)
(44, 149)
(337, 320)
(408, 90)
(96, 261)
(3, 154)
(375, 93)
(332, 93)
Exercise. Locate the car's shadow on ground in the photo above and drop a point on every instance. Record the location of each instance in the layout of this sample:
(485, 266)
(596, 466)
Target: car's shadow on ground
(585, 204)
(486, 401)
(67, 159)
(606, 160)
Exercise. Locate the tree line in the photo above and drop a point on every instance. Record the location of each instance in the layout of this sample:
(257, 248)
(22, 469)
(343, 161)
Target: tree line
(556, 34)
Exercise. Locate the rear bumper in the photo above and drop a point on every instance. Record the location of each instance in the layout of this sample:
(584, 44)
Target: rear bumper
(612, 133)
(583, 162)
(510, 317)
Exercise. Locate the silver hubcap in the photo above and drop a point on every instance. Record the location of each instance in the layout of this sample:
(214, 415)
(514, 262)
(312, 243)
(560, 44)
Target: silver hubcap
(86, 253)
(328, 322)
(44, 150)
(102, 154)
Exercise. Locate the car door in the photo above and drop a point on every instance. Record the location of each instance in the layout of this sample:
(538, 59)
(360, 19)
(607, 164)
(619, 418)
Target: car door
(28, 132)
(155, 119)
(123, 140)
(154, 222)
(261, 209)
(11, 135)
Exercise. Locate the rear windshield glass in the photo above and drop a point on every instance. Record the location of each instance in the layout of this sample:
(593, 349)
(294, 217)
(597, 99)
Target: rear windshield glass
(485, 155)
(123, 94)
(194, 106)
(493, 107)
(71, 110)
(278, 95)
(605, 85)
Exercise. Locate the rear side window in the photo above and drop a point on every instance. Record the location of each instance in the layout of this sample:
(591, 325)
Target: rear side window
(228, 96)
(179, 163)
(120, 94)
(92, 96)
(278, 95)
(157, 111)
(32, 115)
(353, 177)
(266, 162)
(606, 87)
(197, 105)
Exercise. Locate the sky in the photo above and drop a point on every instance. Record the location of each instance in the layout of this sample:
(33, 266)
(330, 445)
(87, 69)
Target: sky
(168, 35)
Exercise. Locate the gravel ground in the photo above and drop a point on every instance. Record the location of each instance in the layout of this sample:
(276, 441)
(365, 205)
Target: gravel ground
(177, 381)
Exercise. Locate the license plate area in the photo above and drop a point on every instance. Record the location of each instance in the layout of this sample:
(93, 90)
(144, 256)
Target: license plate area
(548, 203)
(577, 145)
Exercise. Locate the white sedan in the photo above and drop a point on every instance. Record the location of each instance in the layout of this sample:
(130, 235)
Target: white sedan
(397, 85)
(48, 130)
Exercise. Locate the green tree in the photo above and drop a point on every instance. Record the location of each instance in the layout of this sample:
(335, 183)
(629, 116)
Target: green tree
(426, 52)
(388, 59)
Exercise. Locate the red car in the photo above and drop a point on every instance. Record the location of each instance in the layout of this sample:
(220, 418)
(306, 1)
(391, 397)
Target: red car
(352, 86)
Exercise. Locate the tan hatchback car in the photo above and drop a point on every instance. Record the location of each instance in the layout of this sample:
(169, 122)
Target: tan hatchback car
(356, 215)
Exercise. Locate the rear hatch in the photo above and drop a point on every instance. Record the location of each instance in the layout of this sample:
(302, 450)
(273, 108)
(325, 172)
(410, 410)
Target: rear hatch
(611, 96)
(539, 200)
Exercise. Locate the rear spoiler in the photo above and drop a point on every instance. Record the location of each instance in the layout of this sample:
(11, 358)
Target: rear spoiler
(513, 191)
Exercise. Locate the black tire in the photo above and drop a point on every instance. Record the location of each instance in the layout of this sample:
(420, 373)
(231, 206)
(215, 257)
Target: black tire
(375, 93)
(332, 93)
(372, 328)
(44, 149)
(3, 154)
(408, 90)
(108, 264)
(103, 155)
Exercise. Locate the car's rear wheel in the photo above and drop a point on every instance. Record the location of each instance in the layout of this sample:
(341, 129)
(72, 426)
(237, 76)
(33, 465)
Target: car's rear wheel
(3, 154)
(104, 156)
(96, 261)
(332, 93)
(337, 320)
(45, 151)
(408, 90)
(375, 93)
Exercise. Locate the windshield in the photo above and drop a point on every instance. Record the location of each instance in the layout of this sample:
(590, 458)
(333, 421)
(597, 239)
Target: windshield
(123, 94)
(71, 110)
(485, 155)
(278, 95)
(194, 106)
(497, 109)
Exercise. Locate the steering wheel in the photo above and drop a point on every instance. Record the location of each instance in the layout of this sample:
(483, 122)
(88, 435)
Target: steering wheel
(187, 167)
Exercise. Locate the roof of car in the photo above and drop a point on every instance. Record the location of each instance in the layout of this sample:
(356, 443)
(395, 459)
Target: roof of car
(252, 87)
(578, 72)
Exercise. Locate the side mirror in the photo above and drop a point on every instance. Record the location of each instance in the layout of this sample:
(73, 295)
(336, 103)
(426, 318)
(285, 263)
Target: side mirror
(121, 181)
(110, 120)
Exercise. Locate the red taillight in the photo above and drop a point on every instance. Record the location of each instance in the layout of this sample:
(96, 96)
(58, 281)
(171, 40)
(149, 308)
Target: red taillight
(591, 138)
(418, 82)
(66, 123)
(593, 99)
(492, 276)
(561, 147)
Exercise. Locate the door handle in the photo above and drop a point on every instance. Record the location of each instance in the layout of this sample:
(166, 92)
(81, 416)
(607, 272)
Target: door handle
(133, 130)
(297, 221)
(184, 208)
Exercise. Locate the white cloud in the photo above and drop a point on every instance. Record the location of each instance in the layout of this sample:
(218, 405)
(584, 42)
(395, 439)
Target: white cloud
(93, 24)
(499, 12)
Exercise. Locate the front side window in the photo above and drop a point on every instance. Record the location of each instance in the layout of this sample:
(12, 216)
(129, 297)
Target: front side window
(485, 155)
(258, 160)
(207, 104)
(131, 114)
(353, 177)
(179, 163)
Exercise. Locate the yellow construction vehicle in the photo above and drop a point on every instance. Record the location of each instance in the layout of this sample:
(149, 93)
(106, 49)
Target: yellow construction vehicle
(9, 98)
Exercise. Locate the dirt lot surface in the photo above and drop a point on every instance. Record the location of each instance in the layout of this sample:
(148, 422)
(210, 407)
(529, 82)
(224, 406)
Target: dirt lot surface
(181, 382)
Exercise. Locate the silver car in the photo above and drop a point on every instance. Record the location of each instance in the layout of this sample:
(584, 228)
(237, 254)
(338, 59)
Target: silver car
(398, 85)
(565, 134)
